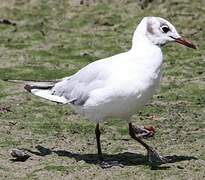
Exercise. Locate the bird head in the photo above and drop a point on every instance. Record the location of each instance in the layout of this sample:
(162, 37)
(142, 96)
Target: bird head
(159, 31)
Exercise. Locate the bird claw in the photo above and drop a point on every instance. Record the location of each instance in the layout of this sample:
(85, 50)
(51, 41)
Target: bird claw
(155, 158)
(145, 132)
(109, 164)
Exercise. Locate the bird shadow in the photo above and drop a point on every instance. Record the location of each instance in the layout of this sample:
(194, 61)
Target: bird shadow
(125, 158)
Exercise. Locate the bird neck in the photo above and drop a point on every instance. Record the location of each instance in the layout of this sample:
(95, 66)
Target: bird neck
(142, 42)
(143, 46)
(140, 38)
(144, 51)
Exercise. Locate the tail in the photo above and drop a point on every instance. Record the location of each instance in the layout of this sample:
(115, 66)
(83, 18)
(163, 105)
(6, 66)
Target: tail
(41, 88)
(44, 90)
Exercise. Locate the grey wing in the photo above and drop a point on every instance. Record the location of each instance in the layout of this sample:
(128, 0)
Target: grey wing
(72, 90)
(77, 88)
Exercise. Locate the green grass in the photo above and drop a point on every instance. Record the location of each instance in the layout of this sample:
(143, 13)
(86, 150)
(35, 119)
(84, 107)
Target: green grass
(54, 39)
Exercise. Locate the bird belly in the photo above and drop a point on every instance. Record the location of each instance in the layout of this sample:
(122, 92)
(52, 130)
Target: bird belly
(123, 106)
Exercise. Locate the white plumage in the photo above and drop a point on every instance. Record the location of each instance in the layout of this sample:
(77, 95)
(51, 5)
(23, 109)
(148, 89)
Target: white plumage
(117, 86)
(120, 85)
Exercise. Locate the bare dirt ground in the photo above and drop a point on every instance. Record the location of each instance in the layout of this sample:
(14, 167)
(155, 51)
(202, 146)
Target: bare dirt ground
(53, 39)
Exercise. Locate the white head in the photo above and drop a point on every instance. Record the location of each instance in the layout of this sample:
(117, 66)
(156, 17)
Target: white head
(158, 31)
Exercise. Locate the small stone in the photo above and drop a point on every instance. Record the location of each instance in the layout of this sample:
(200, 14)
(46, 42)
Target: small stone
(19, 155)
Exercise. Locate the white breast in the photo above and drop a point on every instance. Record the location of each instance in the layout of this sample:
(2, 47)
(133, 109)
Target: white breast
(128, 89)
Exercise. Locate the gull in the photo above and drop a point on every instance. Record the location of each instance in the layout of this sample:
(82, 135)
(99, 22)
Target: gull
(118, 86)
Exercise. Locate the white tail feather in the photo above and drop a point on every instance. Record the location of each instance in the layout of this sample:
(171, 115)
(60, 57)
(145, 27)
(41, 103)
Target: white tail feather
(47, 94)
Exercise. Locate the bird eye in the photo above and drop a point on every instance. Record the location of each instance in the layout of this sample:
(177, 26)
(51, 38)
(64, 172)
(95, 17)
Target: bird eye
(165, 29)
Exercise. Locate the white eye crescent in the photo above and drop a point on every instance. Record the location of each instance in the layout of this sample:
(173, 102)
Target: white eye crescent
(164, 28)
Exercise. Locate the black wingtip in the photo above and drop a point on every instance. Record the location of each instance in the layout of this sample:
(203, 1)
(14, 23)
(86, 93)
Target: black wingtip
(28, 87)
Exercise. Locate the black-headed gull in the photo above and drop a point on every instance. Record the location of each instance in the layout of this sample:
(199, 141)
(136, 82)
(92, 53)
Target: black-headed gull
(120, 85)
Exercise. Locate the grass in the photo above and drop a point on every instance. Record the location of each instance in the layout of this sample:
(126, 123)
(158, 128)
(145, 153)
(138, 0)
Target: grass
(53, 39)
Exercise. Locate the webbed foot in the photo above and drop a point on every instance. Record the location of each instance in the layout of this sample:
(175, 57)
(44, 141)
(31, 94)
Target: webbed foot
(143, 132)
(155, 158)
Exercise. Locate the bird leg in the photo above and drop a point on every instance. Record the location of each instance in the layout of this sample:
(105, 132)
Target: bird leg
(97, 133)
(145, 132)
(152, 155)
(103, 163)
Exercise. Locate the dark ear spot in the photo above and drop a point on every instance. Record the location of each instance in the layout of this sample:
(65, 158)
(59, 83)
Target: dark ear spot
(150, 28)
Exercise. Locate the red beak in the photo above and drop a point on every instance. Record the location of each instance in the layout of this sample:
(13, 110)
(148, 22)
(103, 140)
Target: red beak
(184, 42)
